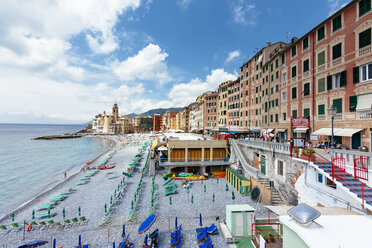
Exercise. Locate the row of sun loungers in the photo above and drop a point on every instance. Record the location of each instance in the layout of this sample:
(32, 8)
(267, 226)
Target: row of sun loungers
(176, 238)
(204, 240)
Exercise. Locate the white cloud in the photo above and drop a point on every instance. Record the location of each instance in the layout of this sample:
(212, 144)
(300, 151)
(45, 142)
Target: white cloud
(147, 64)
(243, 12)
(233, 55)
(186, 93)
(335, 5)
(184, 4)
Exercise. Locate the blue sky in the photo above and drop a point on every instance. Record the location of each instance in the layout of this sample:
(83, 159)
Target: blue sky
(65, 61)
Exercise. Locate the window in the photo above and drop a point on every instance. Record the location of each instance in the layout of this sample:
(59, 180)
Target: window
(321, 109)
(364, 7)
(305, 43)
(294, 51)
(272, 90)
(272, 78)
(306, 113)
(277, 75)
(331, 184)
(339, 80)
(271, 118)
(336, 51)
(284, 116)
(365, 38)
(272, 67)
(321, 58)
(276, 102)
(294, 71)
(306, 89)
(353, 100)
(319, 178)
(283, 59)
(277, 88)
(294, 92)
(276, 63)
(306, 65)
(367, 72)
(284, 76)
(276, 118)
(337, 103)
(321, 85)
(336, 23)
(284, 96)
(265, 106)
(321, 33)
(294, 113)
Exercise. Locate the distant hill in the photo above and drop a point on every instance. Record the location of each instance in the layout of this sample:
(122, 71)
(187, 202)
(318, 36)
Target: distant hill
(151, 112)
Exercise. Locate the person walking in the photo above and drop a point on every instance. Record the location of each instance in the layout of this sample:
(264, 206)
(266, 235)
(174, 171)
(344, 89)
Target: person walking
(325, 145)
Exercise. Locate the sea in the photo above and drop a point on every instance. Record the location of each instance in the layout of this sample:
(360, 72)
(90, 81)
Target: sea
(29, 167)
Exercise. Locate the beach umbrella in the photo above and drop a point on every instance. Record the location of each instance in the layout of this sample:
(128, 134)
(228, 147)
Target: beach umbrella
(213, 198)
(232, 195)
(63, 213)
(175, 223)
(79, 211)
(226, 188)
(111, 200)
(105, 208)
(131, 205)
(13, 216)
(188, 191)
(146, 238)
(123, 233)
(147, 224)
(205, 188)
(88, 162)
(33, 214)
(200, 220)
(79, 240)
(113, 244)
(170, 200)
(54, 243)
(115, 192)
(217, 180)
(35, 243)
(48, 212)
(192, 198)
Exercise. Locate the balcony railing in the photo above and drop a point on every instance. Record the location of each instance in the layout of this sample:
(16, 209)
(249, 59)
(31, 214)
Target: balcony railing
(336, 61)
(365, 50)
(321, 68)
(321, 117)
(365, 116)
(278, 147)
(305, 74)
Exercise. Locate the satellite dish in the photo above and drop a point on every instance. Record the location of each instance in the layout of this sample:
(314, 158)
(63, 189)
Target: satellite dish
(255, 194)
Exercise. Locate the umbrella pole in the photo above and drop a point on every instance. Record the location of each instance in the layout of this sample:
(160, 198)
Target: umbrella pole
(24, 230)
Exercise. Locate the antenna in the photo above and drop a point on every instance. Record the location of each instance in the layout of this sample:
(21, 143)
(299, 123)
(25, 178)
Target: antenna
(287, 36)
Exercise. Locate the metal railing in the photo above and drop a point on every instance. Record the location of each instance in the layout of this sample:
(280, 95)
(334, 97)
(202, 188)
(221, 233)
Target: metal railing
(351, 155)
(247, 168)
(269, 146)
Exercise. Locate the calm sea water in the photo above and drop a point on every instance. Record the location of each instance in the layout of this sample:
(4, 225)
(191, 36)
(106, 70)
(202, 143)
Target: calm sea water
(28, 167)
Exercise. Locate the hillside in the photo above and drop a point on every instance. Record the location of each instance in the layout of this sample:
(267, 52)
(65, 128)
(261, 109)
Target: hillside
(151, 112)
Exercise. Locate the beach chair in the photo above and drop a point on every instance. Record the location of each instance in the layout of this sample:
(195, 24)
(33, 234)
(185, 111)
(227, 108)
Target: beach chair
(16, 226)
(68, 223)
(125, 242)
(4, 228)
(51, 223)
(212, 229)
(75, 221)
(201, 237)
(174, 234)
(174, 241)
(83, 220)
(84, 246)
(179, 244)
(43, 225)
(58, 225)
(206, 243)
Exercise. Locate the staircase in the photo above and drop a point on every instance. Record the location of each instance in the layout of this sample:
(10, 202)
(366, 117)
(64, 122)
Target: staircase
(275, 197)
(355, 186)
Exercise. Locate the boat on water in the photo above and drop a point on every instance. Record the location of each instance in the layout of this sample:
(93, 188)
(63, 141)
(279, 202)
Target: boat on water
(105, 167)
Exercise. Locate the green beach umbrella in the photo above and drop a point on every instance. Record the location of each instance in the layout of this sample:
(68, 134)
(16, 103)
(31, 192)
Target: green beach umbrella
(226, 188)
(232, 195)
(205, 188)
(132, 205)
(33, 214)
(63, 213)
(115, 192)
(48, 212)
(79, 211)
(105, 208)
(13, 216)
(188, 191)
(192, 198)
(170, 200)
(217, 180)
(213, 198)
(111, 200)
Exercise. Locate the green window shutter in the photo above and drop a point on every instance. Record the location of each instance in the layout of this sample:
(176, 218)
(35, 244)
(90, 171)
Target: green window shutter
(294, 114)
(267, 92)
(364, 7)
(276, 102)
(321, 33)
(272, 78)
(276, 63)
(272, 67)
(337, 23)
(294, 92)
(265, 106)
(256, 111)
(283, 59)
(338, 104)
(356, 75)
(305, 43)
(294, 71)
(321, 58)
(307, 89)
(256, 100)
(306, 112)
(343, 79)
(365, 38)
(246, 74)
(294, 51)
(277, 74)
(321, 85)
(336, 51)
(353, 100)
(256, 89)
(321, 109)
(329, 82)
(306, 65)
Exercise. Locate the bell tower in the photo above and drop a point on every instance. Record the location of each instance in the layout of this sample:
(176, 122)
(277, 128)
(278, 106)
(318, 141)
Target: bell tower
(115, 112)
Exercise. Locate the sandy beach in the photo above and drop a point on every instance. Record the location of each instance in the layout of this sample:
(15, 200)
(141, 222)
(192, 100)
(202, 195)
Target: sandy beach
(92, 197)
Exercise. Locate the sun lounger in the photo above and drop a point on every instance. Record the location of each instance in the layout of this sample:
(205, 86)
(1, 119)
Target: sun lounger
(58, 224)
(170, 185)
(83, 220)
(75, 220)
(179, 244)
(4, 228)
(125, 242)
(168, 181)
(206, 243)
(212, 229)
(16, 226)
(172, 191)
(83, 246)
(174, 241)
(44, 215)
(202, 236)
(174, 234)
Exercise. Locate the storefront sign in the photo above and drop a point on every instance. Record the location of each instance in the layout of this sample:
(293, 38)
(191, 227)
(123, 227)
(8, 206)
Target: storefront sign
(300, 121)
(313, 137)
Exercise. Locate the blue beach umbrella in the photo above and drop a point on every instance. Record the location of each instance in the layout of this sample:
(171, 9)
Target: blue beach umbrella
(123, 234)
(201, 220)
(147, 224)
(54, 243)
(175, 223)
(79, 240)
(35, 243)
(146, 238)
(113, 244)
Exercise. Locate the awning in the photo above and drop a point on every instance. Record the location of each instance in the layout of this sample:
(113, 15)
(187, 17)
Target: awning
(347, 132)
(281, 130)
(300, 129)
(263, 130)
(269, 130)
(324, 131)
(255, 130)
(364, 102)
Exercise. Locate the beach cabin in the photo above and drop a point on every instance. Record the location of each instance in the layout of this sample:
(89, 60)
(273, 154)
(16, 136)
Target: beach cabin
(239, 219)
(238, 181)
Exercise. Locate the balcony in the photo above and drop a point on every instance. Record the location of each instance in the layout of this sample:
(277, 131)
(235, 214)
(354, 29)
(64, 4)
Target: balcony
(365, 116)
(306, 74)
(321, 117)
(338, 117)
(321, 68)
(365, 50)
(337, 61)
(294, 79)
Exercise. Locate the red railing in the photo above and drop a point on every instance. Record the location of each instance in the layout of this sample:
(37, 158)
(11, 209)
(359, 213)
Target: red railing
(361, 168)
(339, 161)
(257, 233)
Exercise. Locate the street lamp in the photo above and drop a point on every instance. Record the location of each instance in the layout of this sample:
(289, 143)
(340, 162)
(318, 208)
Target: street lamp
(332, 112)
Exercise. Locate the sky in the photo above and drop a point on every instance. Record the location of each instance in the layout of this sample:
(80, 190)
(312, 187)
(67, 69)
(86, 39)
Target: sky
(65, 61)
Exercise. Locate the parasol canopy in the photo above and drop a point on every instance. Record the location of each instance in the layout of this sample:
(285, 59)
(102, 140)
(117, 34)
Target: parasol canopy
(88, 162)
(147, 224)
(35, 243)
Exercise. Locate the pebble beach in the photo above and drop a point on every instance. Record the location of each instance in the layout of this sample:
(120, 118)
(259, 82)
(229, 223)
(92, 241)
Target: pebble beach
(92, 196)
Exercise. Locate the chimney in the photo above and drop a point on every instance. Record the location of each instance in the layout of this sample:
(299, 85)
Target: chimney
(268, 43)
